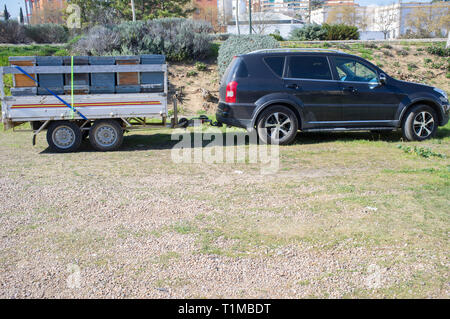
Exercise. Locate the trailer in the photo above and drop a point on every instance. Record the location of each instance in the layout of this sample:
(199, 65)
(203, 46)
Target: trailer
(103, 117)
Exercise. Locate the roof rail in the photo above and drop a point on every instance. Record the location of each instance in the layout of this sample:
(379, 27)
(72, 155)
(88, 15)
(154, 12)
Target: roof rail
(281, 50)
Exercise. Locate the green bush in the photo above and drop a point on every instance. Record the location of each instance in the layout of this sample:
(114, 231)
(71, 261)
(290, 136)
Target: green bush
(340, 32)
(308, 32)
(200, 66)
(47, 33)
(311, 32)
(12, 32)
(236, 45)
(438, 50)
(177, 38)
(277, 36)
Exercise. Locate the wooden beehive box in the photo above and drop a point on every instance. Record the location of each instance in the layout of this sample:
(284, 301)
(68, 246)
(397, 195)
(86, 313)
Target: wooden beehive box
(127, 78)
(21, 80)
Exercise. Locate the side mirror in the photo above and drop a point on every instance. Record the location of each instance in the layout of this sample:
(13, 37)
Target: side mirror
(382, 78)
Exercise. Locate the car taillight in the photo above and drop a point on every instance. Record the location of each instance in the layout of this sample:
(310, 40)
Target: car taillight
(230, 96)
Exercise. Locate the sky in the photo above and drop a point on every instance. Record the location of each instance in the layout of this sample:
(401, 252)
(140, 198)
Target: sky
(14, 5)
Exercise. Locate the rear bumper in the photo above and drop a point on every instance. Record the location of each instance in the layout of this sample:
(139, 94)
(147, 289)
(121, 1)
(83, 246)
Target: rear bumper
(238, 115)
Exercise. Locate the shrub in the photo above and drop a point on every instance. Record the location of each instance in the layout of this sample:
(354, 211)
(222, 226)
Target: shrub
(47, 33)
(98, 41)
(221, 36)
(411, 66)
(308, 32)
(236, 45)
(402, 52)
(340, 32)
(200, 66)
(370, 45)
(387, 46)
(277, 37)
(191, 73)
(438, 50)
(12, 32)
(325, 32)
(177, 38)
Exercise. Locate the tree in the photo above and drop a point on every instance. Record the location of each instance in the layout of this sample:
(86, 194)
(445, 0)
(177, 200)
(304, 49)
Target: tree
(386, 19)
(21, 19)
(6, 14)
(430, 20)
(94, 10)
(342, 15)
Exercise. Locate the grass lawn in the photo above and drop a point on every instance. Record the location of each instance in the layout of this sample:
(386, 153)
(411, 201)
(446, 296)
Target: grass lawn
(347, 215)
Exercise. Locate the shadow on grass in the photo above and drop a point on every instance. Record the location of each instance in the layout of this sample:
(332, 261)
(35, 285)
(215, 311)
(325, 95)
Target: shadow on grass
(163, 141)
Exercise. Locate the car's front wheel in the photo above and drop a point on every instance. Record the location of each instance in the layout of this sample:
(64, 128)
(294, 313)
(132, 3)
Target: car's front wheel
(420, 123)
(277, 125)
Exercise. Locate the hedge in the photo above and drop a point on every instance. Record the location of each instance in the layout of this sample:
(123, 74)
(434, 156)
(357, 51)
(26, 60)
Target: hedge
(236, 45)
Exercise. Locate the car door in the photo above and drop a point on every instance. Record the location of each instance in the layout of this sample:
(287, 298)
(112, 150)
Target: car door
(310, 79)
(365, 101)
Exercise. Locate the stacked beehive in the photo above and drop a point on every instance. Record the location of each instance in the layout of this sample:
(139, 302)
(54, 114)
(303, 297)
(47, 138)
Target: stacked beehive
(80, 80)
(102, 82)
(53, 82)
(152, 81)
(127, 82)
(22, 84)
(85, 83)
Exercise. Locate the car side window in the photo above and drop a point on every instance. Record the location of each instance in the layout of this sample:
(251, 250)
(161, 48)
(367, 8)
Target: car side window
(276, 64)
(351, 70)
(309, 67)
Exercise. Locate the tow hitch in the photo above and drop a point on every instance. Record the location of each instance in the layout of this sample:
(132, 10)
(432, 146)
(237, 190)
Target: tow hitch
(184, 122)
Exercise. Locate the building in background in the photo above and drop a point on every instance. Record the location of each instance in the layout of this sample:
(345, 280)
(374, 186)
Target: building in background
(390, 21)
(207, 10)
(331, 3)
(45, 11)
(265, 22)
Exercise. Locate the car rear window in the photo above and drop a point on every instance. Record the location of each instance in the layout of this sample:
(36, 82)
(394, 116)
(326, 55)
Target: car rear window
(236, 69)
(276, 64)
(309, 67)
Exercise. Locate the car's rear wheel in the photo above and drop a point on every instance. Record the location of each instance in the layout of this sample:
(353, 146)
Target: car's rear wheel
(420, 123)
(277, 125)
(106, 135)
(63, 136)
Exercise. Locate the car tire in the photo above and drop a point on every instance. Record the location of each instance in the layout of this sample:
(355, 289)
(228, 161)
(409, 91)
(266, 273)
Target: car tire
(420, 123)
(63, 136)
(277, 125)
(106, 135)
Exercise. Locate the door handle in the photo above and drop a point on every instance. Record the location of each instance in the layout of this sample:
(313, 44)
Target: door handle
(292, 86)
(350, 89)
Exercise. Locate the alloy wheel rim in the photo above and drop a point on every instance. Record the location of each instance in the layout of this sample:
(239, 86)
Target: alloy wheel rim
(423, 124)
(278, 125)
(63, 137)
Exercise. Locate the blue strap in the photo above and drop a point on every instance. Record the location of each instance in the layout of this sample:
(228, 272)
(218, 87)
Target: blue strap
(54, 94)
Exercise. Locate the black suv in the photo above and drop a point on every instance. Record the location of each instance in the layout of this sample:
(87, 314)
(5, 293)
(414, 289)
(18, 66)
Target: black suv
(281, 91)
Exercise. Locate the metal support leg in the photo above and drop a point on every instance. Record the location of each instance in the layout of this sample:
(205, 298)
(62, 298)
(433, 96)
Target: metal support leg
(35, 133)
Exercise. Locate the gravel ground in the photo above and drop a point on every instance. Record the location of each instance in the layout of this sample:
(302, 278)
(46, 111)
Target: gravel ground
(134, 224)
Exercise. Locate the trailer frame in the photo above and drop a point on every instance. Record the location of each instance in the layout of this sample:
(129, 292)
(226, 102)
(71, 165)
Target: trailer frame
(132, 110)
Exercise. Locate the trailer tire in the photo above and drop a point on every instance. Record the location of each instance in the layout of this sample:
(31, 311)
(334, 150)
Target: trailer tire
(106, 135)
(63, 136)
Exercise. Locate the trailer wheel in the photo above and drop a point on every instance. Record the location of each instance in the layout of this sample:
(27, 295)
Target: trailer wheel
(63, 136)
(106, 135)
